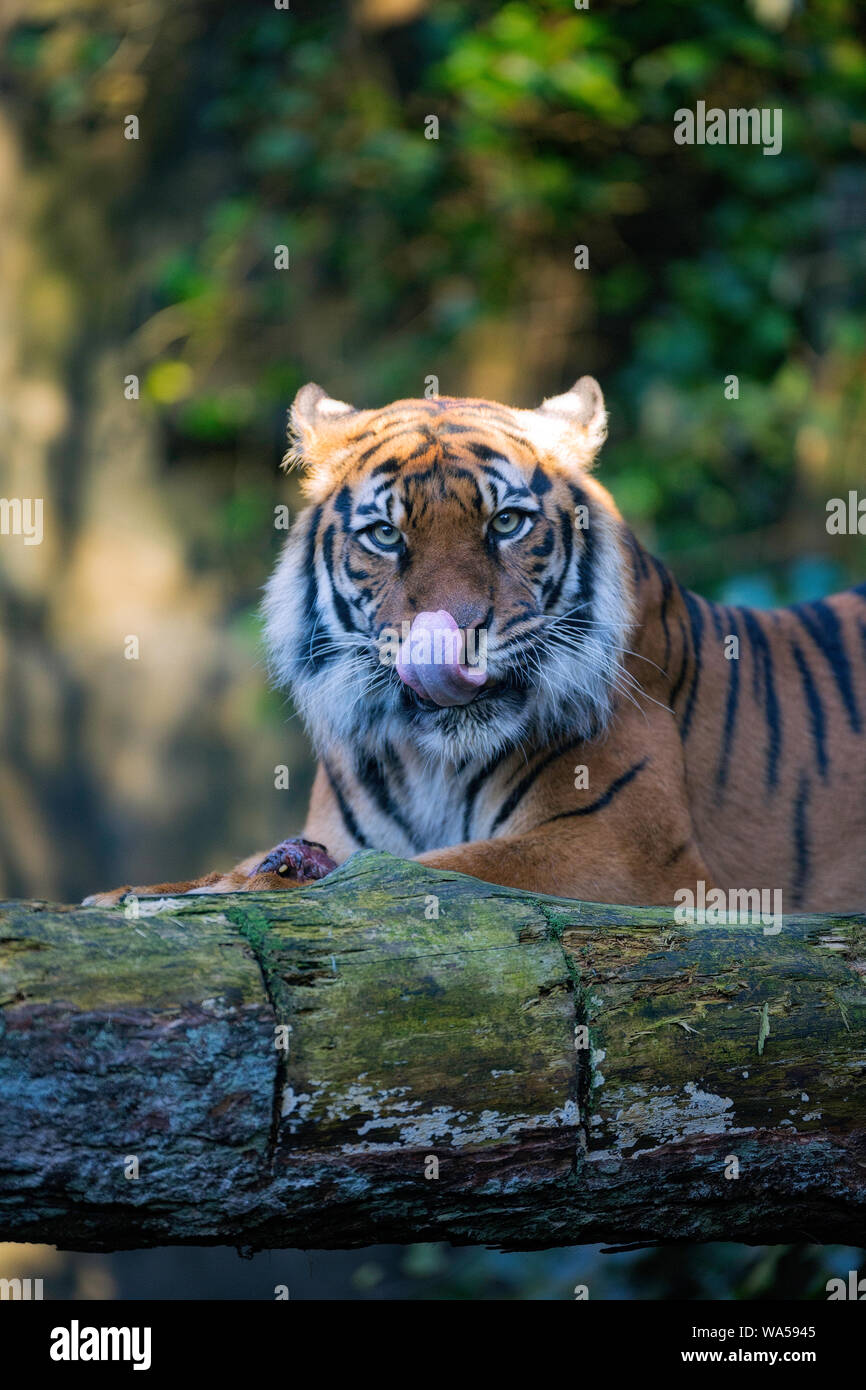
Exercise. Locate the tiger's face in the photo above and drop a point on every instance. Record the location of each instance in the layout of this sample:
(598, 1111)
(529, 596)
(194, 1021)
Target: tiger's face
(457, 579)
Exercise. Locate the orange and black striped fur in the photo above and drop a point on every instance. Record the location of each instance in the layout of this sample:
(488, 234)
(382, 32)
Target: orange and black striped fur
(631, 739)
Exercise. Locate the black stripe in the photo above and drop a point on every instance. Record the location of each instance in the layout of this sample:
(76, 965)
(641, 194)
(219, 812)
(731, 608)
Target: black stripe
(345, 809)
(343, 504)
(485, 453)
(639, 555)
(763, 682)
(613, 790)
(341, 608)
(526, 610)
(368, 453)
(539, 482)
(588, 558)
(801, 839)
(824, 628)
(455, 470)
(472, 479)
(544, 547)
(490, 472)
(684, 664)
(472, 790)
(732, 705)
(565, 530)
(817, 716)
(433, 472)
(516, 796)
(667, 593)
(420, 449)
(514, 490)
(696, 623)
(372, 779)
(388, 467)
(391, 436)
(314, 645)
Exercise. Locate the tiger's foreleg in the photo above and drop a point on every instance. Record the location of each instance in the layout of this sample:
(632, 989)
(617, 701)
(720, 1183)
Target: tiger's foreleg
(289, 864)
(575, 864)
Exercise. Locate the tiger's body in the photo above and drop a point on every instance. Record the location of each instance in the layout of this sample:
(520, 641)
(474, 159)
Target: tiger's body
(629, 740)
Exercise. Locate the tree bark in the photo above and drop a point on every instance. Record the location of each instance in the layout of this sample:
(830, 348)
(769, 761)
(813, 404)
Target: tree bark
(398, 1054)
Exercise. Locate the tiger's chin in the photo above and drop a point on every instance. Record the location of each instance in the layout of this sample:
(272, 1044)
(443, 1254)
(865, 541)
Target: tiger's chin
(494, 721)
(507, 714)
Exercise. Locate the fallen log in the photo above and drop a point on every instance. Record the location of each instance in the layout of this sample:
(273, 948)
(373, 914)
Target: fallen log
(398, 1054)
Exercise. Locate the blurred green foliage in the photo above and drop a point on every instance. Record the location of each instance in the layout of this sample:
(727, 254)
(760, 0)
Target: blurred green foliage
(412, 256)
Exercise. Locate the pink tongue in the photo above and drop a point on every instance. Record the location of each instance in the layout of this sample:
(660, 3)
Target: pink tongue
(432, 664)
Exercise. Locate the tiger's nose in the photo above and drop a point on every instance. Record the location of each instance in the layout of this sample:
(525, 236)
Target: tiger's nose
(468, 614)
(431, 664)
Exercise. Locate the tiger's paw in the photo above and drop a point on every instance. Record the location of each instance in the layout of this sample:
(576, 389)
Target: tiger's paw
(296, 861)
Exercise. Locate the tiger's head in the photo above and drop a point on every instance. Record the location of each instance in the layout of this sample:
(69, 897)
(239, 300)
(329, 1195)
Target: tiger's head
(457, 578)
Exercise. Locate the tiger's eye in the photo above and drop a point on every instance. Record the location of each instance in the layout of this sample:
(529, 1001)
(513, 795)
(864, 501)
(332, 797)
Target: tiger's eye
(506, 523)
(385, 534)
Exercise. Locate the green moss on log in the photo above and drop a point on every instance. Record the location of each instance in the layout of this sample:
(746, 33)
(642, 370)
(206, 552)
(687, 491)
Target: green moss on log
(435, 1083)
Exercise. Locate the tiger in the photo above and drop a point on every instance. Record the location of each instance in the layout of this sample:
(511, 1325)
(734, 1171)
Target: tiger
(623, 739)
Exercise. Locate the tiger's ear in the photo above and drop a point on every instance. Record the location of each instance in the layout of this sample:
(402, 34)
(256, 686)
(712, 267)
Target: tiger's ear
(314, 421)
(312, 405)
(581, 410)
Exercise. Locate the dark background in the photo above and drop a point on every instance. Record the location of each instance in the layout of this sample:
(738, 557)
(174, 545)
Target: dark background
(409, 258)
